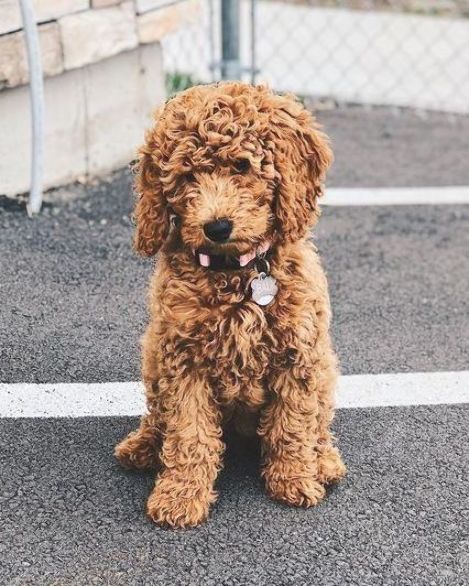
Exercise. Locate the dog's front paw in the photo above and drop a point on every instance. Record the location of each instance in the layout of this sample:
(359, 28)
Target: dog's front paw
(295, 491)
(179, 503)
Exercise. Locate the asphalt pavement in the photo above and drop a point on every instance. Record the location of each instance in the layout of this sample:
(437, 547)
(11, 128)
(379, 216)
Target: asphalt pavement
(72, 309)
(70, 515)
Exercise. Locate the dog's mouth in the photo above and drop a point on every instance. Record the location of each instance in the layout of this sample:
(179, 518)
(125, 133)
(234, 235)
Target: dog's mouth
(229, 262)
(218, 262)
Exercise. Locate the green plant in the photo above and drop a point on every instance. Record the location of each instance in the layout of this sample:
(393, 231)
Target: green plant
(177, 82)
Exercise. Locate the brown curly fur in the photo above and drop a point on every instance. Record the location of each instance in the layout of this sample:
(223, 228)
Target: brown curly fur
(211, 354)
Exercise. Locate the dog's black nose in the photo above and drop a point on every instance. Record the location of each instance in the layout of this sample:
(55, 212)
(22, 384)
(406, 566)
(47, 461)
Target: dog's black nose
(219, 230)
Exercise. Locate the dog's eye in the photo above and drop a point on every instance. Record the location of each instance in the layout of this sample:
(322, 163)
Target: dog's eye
(242, 165)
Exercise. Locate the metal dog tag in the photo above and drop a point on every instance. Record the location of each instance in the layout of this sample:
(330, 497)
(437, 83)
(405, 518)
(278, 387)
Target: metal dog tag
(264, 289)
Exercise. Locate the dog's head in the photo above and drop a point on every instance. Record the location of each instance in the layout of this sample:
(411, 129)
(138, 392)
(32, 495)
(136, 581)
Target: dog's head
(235, 168)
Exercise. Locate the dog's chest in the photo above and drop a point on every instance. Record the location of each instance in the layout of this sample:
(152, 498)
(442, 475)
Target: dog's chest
(229, 338)
(239, 354)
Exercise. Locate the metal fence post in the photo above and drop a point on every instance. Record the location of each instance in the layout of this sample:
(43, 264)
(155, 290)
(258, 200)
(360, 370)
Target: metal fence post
(253, 17)
(37, 106)
(230, 17)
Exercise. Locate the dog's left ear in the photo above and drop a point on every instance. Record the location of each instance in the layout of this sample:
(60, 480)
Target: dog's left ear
(302, 156)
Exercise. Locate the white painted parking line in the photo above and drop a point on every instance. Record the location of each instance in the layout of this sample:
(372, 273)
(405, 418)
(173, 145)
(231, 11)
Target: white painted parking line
(380, 196)
(71, 399)
(394, 390)
(114, 399)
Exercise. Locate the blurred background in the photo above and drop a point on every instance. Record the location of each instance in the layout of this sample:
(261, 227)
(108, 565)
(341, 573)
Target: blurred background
(412, 53)
(388, 78)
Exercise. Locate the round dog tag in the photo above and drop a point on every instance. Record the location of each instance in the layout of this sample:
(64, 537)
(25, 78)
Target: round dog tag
(264, 289)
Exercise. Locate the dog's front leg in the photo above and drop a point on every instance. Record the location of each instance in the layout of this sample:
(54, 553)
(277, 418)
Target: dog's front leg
(190, 453)
(289, 431)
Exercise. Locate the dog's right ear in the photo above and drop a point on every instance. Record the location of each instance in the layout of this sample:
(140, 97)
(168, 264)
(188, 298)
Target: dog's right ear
(151, 211)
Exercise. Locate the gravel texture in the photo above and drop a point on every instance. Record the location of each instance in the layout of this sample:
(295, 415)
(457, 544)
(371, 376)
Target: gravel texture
(70, 516)
(379, 147)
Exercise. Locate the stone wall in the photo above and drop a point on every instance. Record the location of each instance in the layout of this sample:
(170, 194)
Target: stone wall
(74, 33)
(103, 76)
(95, 119)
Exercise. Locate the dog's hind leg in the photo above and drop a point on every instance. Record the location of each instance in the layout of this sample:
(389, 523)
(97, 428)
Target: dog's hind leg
(141, 447)
(330, 465)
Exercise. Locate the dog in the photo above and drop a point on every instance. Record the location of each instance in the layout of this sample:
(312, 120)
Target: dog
(227, 185)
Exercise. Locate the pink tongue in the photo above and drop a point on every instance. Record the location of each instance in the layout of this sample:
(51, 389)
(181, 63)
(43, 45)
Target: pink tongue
(244, 259)
(204, 260)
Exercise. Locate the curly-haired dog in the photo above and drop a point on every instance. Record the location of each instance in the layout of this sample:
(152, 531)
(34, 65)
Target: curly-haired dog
(228, 182)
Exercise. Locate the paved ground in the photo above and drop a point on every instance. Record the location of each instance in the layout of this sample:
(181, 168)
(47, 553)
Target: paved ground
(72, 309)
(382, 148)
(69, 515)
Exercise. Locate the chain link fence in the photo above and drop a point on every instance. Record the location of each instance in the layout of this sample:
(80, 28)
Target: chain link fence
(409, 53)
